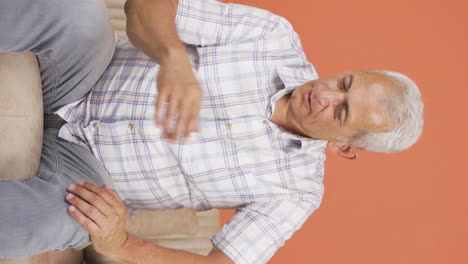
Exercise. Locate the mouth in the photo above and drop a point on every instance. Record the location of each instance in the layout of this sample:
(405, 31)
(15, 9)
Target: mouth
(307, 99)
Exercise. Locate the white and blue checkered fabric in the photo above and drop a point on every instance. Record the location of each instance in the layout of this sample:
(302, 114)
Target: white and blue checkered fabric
(245, 59)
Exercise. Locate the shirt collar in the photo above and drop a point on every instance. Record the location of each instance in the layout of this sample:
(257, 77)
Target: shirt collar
(292, 78)
(296, 76)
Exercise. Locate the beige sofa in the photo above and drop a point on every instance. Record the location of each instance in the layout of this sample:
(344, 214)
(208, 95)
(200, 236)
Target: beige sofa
(20, 148)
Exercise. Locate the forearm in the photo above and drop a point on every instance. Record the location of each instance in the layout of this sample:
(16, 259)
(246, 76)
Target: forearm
(151, 28)
(138, 251)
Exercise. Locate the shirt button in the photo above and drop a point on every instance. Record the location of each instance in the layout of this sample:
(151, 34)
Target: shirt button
(265, 122)
(130, 126)
(95, 126)
(229, 126)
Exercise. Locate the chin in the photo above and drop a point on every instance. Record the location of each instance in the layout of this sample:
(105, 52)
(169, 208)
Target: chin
(295, 93)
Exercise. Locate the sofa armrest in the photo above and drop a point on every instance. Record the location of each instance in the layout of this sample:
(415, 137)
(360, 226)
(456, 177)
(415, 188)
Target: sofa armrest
(196, 242)
(21, 115)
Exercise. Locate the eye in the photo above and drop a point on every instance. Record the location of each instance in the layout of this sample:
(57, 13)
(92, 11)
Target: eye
(345, 83)
(343, 111)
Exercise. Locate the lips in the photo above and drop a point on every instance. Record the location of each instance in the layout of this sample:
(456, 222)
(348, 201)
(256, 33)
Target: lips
(307, 99)
(310, 100)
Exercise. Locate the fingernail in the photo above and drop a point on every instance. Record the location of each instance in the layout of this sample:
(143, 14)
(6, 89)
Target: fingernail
(71, 187)
(81, 182)
(72, 208)
(69, 196)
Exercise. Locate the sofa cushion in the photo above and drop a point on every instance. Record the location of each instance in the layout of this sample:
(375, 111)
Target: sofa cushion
(21, 115)
(156, 223)
(68, 256)
(36, 259)
(117, 17)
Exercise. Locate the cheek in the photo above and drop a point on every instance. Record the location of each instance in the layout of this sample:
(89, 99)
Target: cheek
(327, 117)
(323, 126)
(324, 118)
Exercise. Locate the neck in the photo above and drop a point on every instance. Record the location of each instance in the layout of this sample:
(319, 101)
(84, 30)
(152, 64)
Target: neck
(280, 115)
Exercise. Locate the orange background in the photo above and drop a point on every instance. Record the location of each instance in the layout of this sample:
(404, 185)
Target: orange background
(410, 207)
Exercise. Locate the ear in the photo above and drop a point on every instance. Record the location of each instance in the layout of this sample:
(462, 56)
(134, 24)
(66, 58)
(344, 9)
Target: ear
(344, 150)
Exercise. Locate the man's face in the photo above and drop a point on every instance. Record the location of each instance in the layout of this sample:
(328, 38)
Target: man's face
(340, 105)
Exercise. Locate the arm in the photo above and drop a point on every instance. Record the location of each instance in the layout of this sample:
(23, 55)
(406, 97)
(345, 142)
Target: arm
(102, 213)
(151, 28)
(214, 23)
(136, 250)
(158, 28)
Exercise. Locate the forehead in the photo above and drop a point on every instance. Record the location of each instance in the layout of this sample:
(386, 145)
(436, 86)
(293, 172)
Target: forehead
(368, 95)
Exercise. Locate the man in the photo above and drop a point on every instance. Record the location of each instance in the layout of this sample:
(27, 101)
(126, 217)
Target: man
(253, 116)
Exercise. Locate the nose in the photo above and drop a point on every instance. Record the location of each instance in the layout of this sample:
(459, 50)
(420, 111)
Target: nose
(327, 97)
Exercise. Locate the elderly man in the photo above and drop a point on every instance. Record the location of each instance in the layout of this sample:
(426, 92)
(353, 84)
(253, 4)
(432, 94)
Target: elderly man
(243, 123)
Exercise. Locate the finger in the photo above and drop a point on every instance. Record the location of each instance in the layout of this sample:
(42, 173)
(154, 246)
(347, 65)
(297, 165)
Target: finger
(194, 124)
(192, 127)
(93, 197)
(99, 191)
(85, 222)
(169, 119)
(86, 209)
(121, 208)
(114, 194)
(90, 186)
(183, 122)
(195, 116)
(160, 101)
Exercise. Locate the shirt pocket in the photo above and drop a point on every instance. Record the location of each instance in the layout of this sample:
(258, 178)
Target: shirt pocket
(233, 69)
(214, 168)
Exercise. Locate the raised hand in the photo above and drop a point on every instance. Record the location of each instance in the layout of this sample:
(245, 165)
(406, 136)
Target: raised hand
(151, 28)
(179, 90)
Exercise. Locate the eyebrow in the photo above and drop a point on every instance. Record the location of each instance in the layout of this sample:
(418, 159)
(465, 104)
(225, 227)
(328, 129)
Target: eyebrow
(347, 105)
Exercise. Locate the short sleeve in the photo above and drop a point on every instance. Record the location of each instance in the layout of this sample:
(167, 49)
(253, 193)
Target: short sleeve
(257, 231)
(210, 22)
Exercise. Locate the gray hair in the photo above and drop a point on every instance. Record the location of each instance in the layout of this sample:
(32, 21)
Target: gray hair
(405, 109)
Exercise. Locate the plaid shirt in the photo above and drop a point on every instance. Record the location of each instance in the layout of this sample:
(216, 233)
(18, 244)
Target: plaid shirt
(245, 59)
